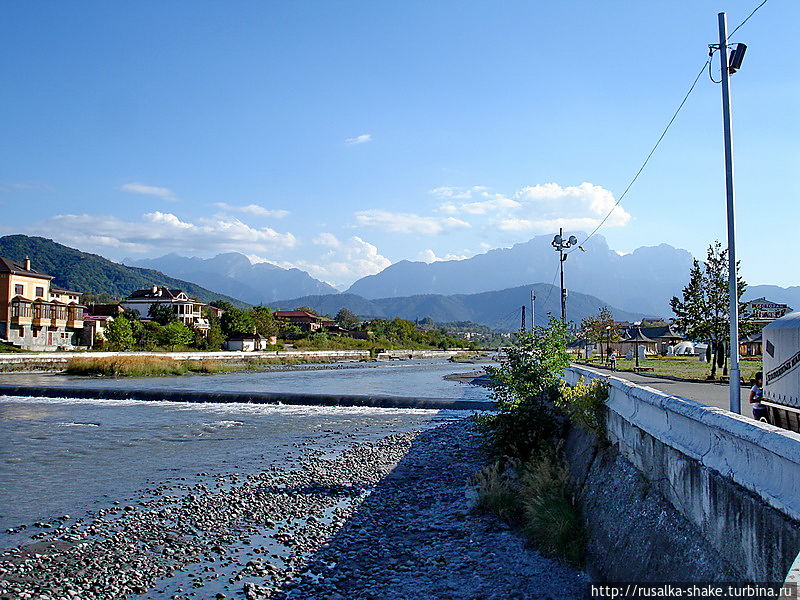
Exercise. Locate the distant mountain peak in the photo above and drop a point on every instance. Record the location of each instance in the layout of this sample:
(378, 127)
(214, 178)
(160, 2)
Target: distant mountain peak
(641, 281)
(256, 282)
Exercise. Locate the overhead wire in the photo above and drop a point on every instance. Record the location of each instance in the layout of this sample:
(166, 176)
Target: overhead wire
(707, 64)
(646, 160)
(730, 35)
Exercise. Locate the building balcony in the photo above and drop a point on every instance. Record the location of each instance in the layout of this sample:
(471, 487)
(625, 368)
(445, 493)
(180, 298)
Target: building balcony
(21, 319)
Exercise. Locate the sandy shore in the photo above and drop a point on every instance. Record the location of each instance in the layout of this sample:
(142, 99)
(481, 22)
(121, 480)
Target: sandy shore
(386, 519)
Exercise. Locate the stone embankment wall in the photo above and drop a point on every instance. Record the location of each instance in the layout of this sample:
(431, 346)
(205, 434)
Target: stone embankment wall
(54, 361)
(684, 491)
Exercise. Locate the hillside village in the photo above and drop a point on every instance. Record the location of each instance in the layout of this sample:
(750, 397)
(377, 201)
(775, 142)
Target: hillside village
(36, 315)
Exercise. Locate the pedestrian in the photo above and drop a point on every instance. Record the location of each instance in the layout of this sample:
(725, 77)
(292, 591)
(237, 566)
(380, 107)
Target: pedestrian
(612, 359)
(756, 395)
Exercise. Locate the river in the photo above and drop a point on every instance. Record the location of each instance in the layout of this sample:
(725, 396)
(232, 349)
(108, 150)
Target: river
(73, 457)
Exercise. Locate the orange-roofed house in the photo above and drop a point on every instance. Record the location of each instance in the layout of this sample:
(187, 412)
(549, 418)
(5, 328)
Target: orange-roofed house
(304, 320)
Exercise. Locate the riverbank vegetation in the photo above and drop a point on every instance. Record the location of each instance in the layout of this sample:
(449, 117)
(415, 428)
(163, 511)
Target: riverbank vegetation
(528, 482)
(9, 348)
(148, 366)
(164, 331)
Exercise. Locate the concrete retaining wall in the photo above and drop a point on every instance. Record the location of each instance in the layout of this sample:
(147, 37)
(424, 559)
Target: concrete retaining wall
(295, 399)
(736, 480)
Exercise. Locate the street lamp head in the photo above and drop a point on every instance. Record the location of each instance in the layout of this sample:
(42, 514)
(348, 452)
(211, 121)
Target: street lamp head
(737, 56)
(573, 240)
(558, 240)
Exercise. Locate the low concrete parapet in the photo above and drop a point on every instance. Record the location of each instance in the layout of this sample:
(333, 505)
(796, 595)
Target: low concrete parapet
(735, 479)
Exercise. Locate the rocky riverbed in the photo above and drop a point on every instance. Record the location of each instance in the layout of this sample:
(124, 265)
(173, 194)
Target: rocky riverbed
(387, 519)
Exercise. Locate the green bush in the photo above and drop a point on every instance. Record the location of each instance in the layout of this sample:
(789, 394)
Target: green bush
(553, 519)
(519, 429)
(527, 387)
(585, 404)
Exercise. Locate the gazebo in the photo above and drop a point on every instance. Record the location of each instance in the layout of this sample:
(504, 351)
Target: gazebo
(637, 338)
(668, 337)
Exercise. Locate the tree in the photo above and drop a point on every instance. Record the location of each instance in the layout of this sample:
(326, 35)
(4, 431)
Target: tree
(222, 305)
(213, 339)
(174, 334)
(307, 309)
(132, 315)
(264, 321)
(162, 313)
(702, 312)
(346, 319)
(599, 329)
(119, 335)
(236, 321)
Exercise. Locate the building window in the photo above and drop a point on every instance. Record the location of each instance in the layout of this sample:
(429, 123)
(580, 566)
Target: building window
(19, 290)
(39, 292)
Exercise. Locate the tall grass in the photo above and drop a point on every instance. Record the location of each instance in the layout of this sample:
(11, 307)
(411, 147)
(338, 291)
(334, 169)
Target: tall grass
(538, 497)
(148, 366)
(126, 366)
(553, 518)
(498, 493)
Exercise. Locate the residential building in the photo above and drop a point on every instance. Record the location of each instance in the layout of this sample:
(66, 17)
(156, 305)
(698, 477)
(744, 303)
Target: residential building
(302, 319)
(189, 311)
(250, 342)
(35, 315)
(94, 328)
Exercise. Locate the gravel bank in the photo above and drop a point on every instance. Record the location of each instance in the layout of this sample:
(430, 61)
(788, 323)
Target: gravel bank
(388, 519)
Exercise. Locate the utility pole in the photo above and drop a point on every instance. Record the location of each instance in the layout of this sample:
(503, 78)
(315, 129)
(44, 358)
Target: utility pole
(523, 318)
(559, 243)
(735, 397)
(533, 311)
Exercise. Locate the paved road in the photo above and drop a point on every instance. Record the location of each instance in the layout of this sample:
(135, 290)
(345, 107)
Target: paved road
(713, 394)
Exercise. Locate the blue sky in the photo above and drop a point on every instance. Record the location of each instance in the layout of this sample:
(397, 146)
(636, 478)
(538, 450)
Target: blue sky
(342, 136)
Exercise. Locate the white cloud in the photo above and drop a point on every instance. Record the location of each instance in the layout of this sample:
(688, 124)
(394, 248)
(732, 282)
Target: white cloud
(253, 209)
(492, 203)
(407, 222)
(359, 139)
(159, 231)
(341, 265)
(538, 208)
(327, 239)
(150, 190)
(429, 256)
(457, 193)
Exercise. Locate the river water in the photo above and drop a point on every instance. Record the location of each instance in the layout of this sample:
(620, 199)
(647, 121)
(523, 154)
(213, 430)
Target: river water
(73, 457)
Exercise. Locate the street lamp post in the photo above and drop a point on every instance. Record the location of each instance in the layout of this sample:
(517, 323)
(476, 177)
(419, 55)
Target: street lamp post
(728, 66)
(560, 244)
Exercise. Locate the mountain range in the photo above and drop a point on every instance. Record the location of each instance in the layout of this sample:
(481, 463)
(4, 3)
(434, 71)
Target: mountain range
(642, 281)
(499, 310)
(233, 274)
(633, 285)
(90, 273)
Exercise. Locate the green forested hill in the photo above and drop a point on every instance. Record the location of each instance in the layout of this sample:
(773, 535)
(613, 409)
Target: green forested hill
(90, 273)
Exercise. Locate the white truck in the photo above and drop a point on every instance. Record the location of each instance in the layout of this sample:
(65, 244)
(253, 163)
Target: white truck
(781, 352)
